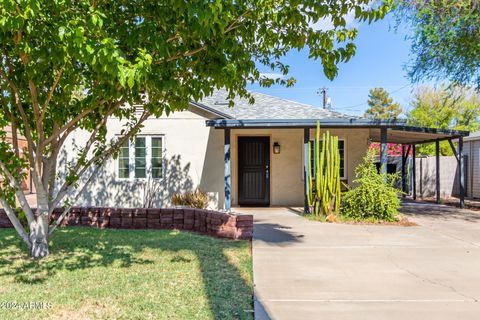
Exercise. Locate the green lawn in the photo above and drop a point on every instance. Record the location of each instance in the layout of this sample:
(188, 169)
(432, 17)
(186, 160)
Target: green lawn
(128, 274)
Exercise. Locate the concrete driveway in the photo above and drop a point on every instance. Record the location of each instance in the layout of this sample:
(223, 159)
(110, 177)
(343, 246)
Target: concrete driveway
(310, 270)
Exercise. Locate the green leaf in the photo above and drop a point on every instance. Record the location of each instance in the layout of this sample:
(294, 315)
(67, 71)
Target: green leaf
(61, 32)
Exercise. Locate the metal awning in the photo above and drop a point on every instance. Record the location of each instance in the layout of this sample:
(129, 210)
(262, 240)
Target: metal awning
(416, 135)
(397, 130)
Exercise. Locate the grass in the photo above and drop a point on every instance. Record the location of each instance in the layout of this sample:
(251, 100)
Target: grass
(128, 274)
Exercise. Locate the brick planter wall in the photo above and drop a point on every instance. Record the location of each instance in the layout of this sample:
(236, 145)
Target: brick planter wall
(214, 223)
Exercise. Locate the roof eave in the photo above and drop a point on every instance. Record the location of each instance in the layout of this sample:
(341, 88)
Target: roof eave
(303, 123)
(211, 110)
(394, 124)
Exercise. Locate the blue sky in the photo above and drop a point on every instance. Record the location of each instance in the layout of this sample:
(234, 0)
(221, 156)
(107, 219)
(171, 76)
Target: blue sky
(381, 55)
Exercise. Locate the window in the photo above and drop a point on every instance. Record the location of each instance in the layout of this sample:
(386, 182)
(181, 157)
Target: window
(141, 158)
(341, 149)
(156, 157)
(124, 161)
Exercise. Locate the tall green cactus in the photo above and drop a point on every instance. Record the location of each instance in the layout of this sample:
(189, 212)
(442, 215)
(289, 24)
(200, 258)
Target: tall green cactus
(324, 178)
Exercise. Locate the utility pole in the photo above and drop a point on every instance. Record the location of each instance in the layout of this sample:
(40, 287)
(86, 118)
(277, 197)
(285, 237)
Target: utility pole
(324, 91)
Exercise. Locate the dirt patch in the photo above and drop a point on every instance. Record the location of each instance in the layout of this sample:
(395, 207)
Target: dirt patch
(402, 221)
(88, 310)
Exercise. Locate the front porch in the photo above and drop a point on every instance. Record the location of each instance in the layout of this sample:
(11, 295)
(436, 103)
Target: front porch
(282, 175)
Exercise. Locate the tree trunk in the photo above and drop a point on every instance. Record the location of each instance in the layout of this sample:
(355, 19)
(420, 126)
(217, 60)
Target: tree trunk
(39, 236)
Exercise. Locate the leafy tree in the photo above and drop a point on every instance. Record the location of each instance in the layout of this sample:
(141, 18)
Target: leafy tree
(382, 105)
(71, 65)
(444, 40)
(445, 108)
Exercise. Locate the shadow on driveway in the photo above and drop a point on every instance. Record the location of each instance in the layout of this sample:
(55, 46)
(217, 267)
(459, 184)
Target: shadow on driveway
(275, 233)
(437, 211)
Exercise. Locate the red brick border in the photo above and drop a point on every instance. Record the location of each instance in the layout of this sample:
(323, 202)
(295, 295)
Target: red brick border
(214, 223)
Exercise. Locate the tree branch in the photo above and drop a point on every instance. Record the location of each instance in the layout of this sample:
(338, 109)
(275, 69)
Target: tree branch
(66, 188)
(16, 150)
(188, 53)
(235, 22)
(28, 132)
(232, 26)
(18, 102)
(120, 141)
(50, 94)
(172, 38)
(48, 165)
(105, 155)
(18, 192)
(16, 223)
(51, 169)
(59, 220)
(71, 123)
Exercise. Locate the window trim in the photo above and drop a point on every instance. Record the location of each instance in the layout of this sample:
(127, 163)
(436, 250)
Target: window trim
(148, 158)
(345, 173)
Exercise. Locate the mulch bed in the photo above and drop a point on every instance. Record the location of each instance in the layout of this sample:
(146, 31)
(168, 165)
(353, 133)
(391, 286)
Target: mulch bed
(403, 222)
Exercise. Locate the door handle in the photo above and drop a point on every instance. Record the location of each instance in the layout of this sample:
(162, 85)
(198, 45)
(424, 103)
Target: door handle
(267, 174)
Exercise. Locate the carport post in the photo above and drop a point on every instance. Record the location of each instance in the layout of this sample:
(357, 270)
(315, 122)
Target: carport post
(306, 140)
(437, 169)
(383, 150)
(414, 174)
(226, 169)
(461, 172)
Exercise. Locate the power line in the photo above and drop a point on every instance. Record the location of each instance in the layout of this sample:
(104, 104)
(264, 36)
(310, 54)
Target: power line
(330, 87)
(364, 103)
(407, 85)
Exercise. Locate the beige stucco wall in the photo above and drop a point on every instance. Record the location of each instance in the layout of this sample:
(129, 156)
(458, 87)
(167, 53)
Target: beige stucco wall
(286, 182)
(286, 168)
(356, 146)
(193, 157)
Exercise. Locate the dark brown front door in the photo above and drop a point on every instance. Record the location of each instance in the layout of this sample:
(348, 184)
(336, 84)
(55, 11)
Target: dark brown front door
(254, 171)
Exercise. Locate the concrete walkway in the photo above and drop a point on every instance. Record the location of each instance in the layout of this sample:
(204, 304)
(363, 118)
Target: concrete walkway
(310, 270)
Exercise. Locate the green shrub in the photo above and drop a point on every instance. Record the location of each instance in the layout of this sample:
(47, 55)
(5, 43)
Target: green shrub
(23, 219)
(196, 199)
(375, 197)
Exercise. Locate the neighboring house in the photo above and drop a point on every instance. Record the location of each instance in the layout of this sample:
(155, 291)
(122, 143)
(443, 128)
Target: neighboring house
(22, 145)
(472, 151)
(247, 155)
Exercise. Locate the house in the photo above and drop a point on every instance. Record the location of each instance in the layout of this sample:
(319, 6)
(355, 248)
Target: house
(472, 152)
(247, 155)
(27, 184)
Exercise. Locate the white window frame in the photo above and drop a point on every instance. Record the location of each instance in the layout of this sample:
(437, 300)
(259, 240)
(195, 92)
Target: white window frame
(345, 174)
(148, 158)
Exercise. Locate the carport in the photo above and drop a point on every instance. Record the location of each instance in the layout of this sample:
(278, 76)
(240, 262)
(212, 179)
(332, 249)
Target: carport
(409, 137)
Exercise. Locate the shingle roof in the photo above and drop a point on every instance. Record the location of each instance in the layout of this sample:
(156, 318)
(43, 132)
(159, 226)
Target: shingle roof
(268, 107)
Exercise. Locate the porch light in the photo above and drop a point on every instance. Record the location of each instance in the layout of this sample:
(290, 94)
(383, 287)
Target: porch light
(276, 148)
